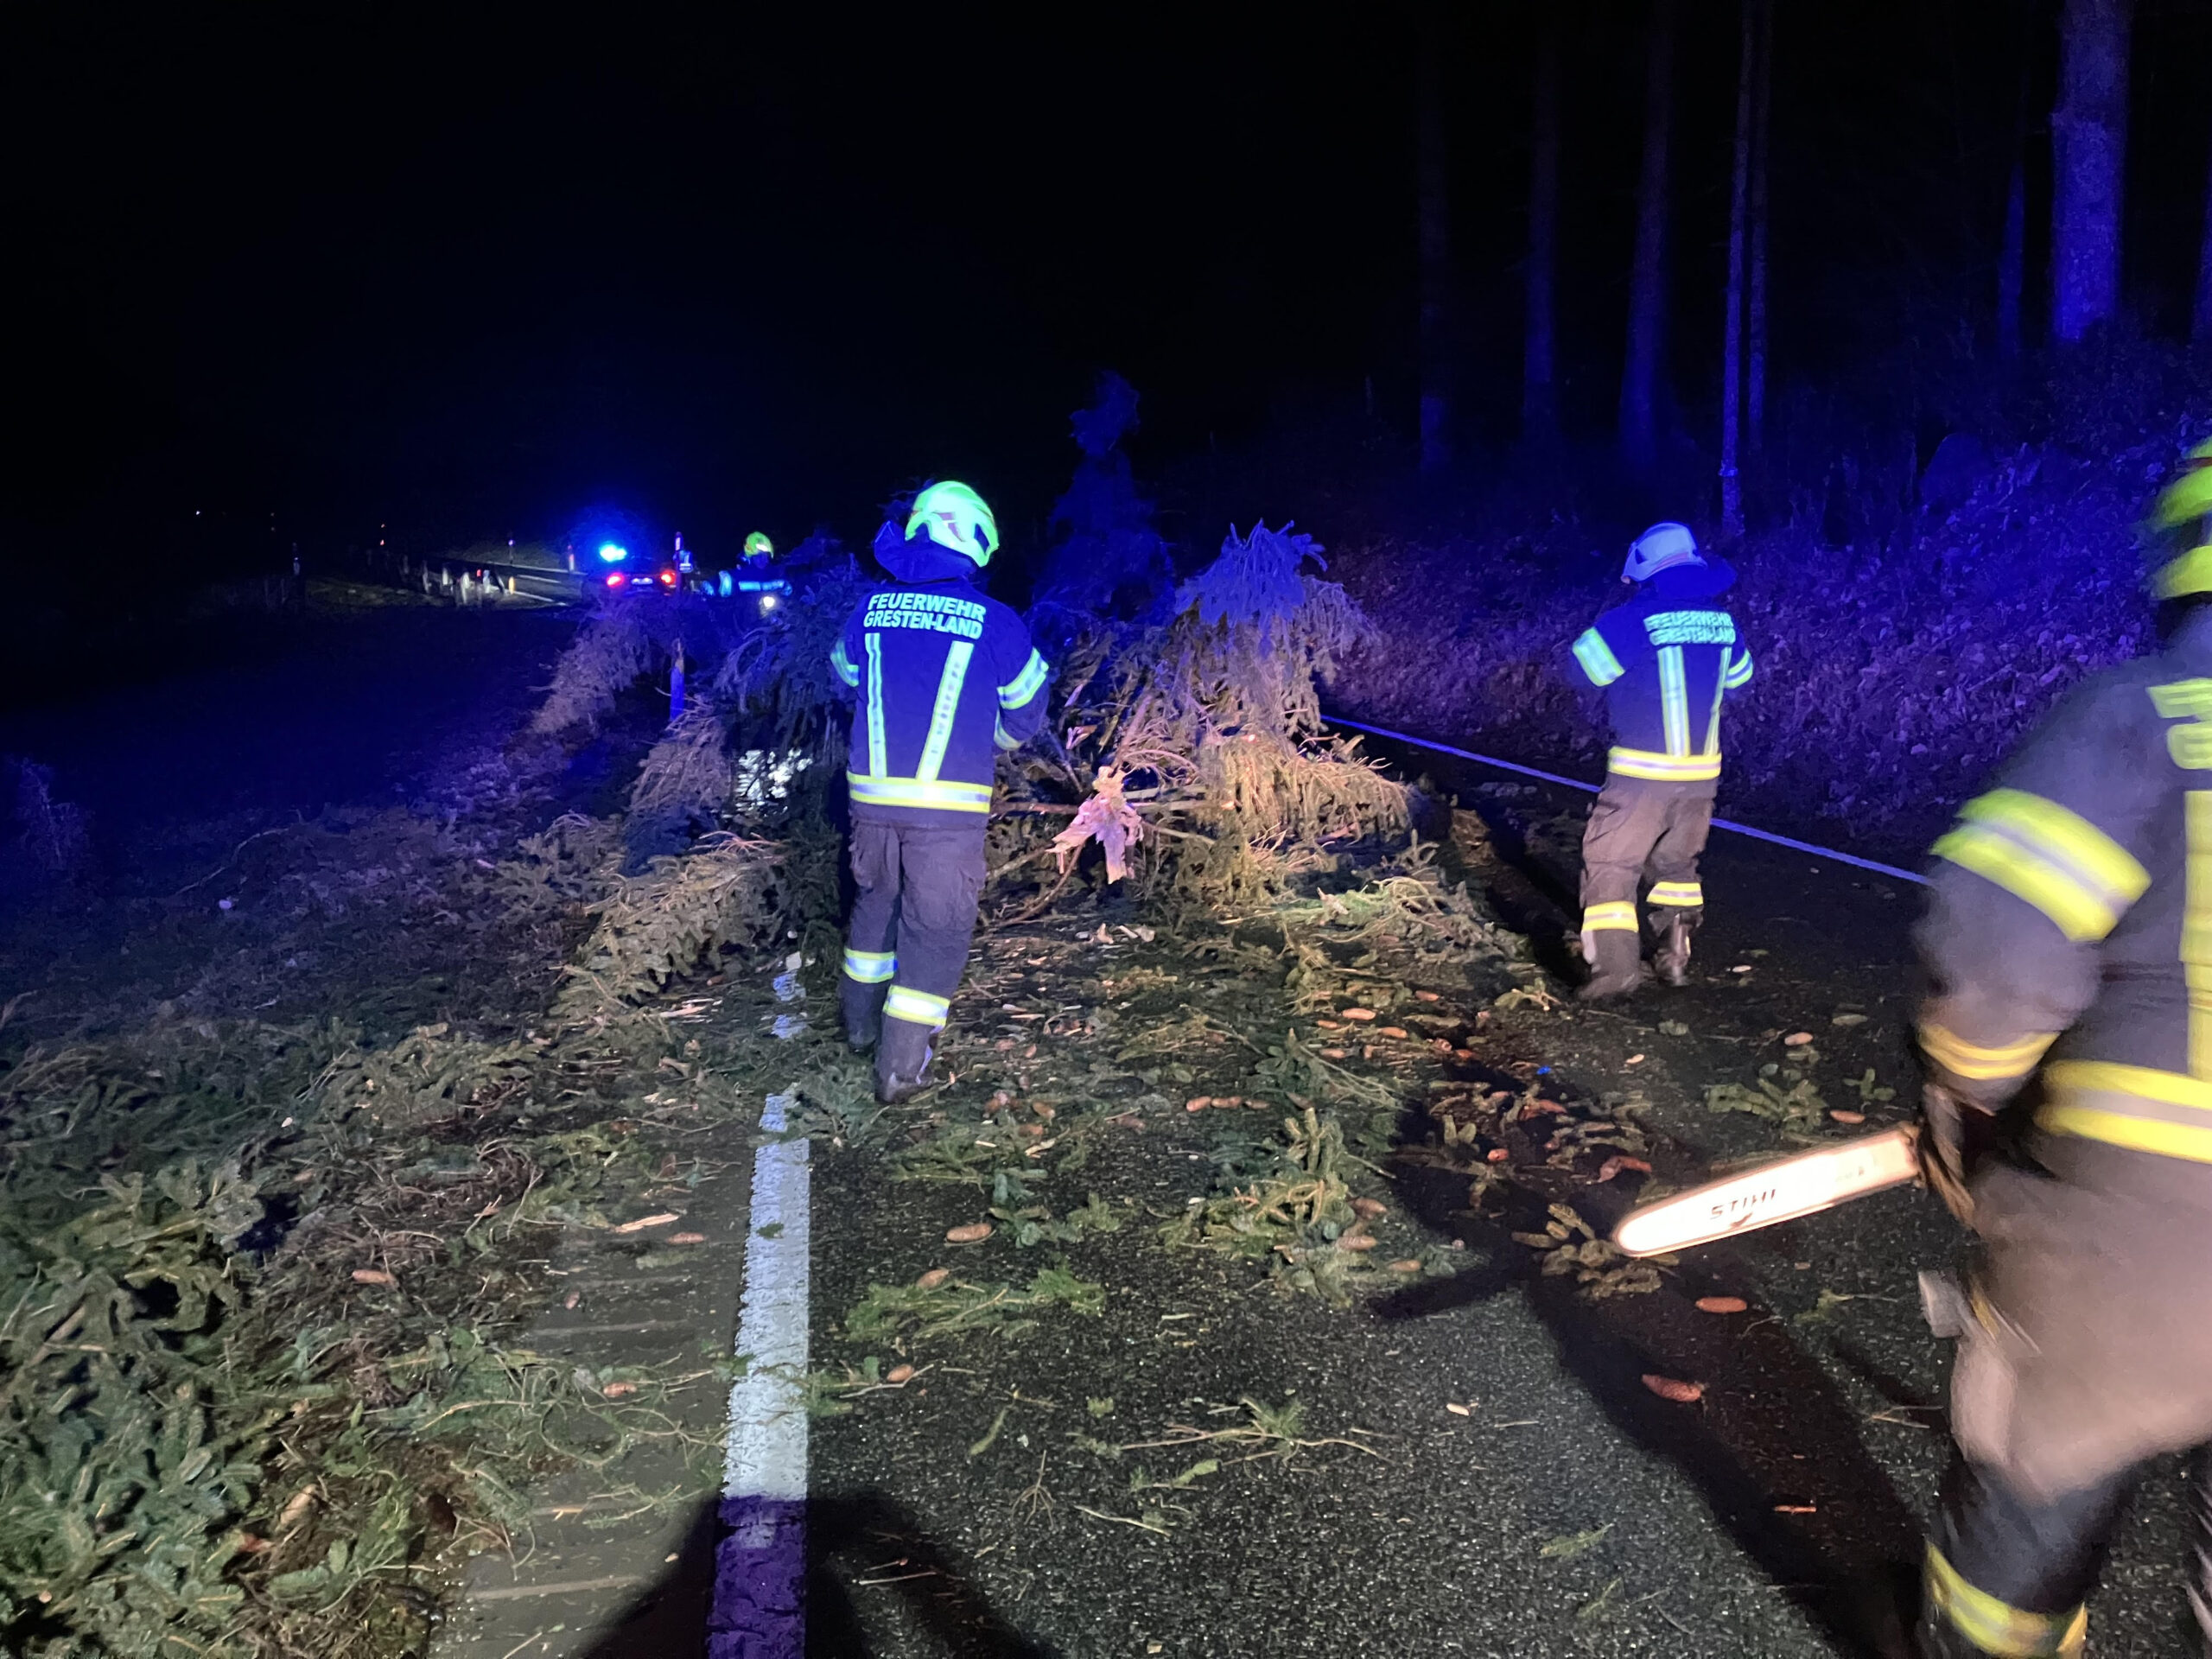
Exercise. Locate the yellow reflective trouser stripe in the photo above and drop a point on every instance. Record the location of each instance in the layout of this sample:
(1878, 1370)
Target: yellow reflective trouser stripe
(2196, 929)
(1616, 914)
(937, 793)
(1678, 893)
(870, 967)
(916, 1008)
(1597, 658)
(1663, 768)
(1972, 1061)
(1998, 1627)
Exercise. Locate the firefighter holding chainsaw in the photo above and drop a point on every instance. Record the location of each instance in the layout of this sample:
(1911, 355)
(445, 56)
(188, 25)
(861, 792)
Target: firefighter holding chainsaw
(945, 677)
(2069, 952)
(1665, 659)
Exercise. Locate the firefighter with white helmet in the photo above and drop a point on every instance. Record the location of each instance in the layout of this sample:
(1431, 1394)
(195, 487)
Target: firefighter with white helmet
(1665, 659)
(946, 678)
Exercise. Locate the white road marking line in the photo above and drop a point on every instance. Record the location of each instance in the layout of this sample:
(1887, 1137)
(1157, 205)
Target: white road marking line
(767, 1456)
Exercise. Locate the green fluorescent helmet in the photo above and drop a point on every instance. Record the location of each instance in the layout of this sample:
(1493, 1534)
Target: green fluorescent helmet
(956, 516)
(2179, 516)
(757, 545)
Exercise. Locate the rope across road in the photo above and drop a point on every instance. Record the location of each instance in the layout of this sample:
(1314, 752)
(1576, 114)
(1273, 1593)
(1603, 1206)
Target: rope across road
(1890, 870)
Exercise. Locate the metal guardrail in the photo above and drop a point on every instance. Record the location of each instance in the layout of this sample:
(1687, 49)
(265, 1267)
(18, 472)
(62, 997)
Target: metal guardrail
(1851, 859)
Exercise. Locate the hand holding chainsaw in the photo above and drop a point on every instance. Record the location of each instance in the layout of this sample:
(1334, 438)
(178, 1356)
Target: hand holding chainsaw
(1955, 1134)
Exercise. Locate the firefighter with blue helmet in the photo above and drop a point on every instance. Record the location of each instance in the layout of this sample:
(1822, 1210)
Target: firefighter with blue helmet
(1665, 660)
(2067, 1022)
(946, 677)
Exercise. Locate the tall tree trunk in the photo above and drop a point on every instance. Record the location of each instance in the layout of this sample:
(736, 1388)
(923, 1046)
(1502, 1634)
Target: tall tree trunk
(2012, 261)
(2199, 321)
(2012, 250)
(1732, 333)
(1646, 295)
(1435, 252)
(2088, 131)
(1539, 390)
(1762, 124)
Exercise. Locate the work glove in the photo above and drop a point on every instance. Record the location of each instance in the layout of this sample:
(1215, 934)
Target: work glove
(1955, 1133)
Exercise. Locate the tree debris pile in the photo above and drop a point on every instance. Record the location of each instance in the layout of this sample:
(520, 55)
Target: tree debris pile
(260, 1282)
(725, 894)
(1192, 750)
(251, 1282)
(685, 784)
(1208, 728)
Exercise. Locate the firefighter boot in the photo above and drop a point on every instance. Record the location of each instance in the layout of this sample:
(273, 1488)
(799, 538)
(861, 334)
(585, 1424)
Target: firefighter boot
(1673, 957)
(902, 1061)
(1616, 966)
(1938, 1637)
(862, 1007)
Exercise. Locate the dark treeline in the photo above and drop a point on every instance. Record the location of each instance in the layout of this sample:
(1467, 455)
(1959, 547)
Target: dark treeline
(322, 278)
(1667, 211)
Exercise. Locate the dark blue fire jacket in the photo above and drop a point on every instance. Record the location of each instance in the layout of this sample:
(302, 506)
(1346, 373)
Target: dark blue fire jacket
(1665, 659)
(2072, 912)
(946, 677)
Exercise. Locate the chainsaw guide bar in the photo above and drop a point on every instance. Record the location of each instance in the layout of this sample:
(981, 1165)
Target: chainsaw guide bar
(1780, 1190)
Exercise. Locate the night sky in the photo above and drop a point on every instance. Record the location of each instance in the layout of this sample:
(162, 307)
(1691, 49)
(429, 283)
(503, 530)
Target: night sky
(352, 266)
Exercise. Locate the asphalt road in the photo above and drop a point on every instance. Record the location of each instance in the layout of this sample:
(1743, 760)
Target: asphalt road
(1042, 1493)
(1563, 1508)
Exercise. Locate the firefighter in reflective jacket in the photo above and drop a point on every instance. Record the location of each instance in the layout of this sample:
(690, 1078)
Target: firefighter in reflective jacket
(946, 677)
(1665, 659)
(2068, 939)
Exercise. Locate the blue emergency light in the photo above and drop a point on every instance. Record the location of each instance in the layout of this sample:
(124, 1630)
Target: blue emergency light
(613, 554)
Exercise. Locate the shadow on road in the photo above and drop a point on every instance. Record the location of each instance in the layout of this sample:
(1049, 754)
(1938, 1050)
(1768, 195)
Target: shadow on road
(864, 1538)
(1771, 1446)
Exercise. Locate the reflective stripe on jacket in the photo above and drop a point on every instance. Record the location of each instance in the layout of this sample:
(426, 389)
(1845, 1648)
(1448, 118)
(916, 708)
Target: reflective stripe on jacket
(2070, 923)
(946, 677)
(1665, 660)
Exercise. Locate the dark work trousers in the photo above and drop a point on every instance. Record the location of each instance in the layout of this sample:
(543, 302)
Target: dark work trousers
(912, 922)
(1641, 825)
(2090, 1358)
